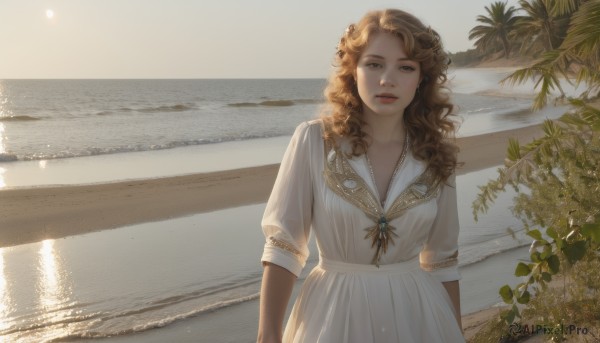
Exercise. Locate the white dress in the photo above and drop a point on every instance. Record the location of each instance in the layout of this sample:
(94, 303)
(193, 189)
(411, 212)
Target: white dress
(346, 298)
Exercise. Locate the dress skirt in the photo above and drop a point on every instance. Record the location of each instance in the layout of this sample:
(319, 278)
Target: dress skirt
(359, 303)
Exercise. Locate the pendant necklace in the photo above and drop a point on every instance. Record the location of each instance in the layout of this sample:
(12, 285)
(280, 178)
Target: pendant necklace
(382, 233)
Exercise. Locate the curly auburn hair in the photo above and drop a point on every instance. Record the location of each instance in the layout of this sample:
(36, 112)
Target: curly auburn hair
(426, 118)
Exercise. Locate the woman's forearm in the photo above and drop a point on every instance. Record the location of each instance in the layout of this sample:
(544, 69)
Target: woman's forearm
(275, 292)
(453, 289)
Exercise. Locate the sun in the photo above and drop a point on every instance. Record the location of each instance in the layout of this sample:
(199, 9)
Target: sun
(49, 14)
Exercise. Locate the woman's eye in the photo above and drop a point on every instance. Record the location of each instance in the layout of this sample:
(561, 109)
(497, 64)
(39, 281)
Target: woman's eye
(373, 65)
(407, 68)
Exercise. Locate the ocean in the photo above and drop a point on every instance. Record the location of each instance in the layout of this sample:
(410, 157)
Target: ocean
(51, 119)
(119, 282)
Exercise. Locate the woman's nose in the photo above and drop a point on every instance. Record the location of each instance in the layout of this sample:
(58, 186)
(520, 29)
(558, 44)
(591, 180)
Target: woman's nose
(387, 79)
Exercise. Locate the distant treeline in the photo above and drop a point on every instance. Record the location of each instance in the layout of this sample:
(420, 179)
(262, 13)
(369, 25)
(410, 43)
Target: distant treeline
(466, 58)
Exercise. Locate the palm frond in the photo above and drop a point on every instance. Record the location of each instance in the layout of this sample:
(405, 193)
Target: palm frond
(565, 7)
(544, 72)
(583, 35)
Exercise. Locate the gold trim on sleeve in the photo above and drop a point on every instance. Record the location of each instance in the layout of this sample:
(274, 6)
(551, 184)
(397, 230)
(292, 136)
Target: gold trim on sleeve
(283, 245)
(449, 262)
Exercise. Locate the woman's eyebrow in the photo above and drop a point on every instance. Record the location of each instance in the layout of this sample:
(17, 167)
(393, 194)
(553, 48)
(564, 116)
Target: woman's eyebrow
(382, 58)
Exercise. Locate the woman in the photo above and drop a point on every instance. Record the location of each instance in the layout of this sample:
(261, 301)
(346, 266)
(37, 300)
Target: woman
(374, 178)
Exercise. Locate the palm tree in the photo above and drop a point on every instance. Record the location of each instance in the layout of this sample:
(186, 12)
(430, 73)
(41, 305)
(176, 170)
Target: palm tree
(540, 29)
(495, 28)
(580, 48)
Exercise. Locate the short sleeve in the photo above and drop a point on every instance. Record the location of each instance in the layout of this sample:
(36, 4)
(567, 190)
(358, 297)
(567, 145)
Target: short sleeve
(288, 215)
(440, 252)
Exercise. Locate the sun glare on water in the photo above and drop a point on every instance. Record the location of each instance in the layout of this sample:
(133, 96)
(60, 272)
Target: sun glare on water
(49, 14)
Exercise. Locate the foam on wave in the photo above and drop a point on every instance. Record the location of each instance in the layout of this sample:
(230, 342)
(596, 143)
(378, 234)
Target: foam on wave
(18, 118)
(275, 103)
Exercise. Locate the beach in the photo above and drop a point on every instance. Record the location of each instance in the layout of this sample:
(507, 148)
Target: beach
(131, 239)
(140, 143)
(56, 212)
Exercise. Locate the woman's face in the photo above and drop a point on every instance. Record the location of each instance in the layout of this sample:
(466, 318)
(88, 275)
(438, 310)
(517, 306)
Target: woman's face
(386, 79)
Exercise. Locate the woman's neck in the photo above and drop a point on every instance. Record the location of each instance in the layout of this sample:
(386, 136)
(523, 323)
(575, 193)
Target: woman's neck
(385, 130)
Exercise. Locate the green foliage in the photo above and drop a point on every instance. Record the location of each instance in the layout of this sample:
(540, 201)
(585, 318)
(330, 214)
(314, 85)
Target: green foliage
(494, 331)
(557, 179)
(522, 269)
(577, 303)
(573, 301)
(507, 294)
(561, 172)
(592, 231)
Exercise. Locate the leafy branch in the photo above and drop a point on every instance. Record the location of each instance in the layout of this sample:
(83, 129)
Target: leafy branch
(561, 171)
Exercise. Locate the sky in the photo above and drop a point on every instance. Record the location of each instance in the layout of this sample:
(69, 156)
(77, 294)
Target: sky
(79, 39)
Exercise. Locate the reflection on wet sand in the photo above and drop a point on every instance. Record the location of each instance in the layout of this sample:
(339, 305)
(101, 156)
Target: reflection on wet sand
(49, 282)
(5, 303)
(2, 151)
(53, 288)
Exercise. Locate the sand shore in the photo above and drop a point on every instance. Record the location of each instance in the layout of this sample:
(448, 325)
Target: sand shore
(34, 214)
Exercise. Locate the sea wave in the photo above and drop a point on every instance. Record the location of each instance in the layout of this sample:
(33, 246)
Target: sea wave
(173, 108)
(6, 157)
(95, 151)
(18, 118)
(157, 323)
(501, 112)
(149, 315)
(480, 251)
(505, 93)
(492, 253)
(154, 109)
(275, 103)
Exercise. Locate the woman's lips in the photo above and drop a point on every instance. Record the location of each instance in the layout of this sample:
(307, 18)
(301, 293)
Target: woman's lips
(386, 98)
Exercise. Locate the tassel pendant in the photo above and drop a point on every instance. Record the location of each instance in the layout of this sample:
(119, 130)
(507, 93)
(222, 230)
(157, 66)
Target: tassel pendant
(380, 234)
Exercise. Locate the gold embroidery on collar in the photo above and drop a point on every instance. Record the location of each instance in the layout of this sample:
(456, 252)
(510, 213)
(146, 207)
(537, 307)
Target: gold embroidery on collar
(341, 178)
